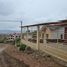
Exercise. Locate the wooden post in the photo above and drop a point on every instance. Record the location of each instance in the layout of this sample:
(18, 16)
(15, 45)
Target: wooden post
(38, 38)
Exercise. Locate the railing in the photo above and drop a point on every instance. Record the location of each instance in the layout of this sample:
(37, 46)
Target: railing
(56, 40)
(52, 41)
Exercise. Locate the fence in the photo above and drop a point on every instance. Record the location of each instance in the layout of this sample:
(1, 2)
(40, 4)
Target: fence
(45, 35)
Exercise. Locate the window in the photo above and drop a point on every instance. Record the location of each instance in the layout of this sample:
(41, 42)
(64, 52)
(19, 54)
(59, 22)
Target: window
(8, 38)
(61, 36)
(11, 38)
(16, 36)
(47, 36)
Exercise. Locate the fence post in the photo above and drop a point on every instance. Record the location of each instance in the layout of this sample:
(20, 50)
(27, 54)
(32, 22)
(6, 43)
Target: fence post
(38, 38)
(57, 39)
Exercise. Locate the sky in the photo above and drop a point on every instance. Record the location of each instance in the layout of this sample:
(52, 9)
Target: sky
(31, 12)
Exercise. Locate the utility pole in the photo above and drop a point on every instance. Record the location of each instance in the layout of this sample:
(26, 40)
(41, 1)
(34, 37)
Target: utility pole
(21, 33)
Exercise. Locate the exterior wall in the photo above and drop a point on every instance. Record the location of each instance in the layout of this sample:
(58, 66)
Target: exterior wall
(12, 37)
(54, 34)
(54, 51)
(47, 32)
(57, 33)
(65, 31)
(65, 36)
(32, 45)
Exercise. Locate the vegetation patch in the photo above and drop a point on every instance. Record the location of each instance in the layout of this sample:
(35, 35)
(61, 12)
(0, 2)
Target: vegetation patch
(18, 45)
(22, 47)
(17, 42)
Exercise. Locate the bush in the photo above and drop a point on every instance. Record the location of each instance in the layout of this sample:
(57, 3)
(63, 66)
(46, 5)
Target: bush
(18, 40)
(1, 41)
(18, 45)
(22, 47)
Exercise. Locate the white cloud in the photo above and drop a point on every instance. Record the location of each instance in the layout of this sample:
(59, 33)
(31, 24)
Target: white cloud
(33, 10)
(6, 8)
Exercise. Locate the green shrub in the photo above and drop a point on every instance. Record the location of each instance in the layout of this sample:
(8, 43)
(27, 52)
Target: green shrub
(2, 41)
(18, 45)
(22, 47)
(18, 40)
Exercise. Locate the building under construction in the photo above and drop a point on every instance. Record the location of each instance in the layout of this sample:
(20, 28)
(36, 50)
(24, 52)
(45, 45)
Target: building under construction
(50, 37)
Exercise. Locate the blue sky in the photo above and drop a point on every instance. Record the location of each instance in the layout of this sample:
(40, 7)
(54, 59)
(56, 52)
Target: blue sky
(31, 12)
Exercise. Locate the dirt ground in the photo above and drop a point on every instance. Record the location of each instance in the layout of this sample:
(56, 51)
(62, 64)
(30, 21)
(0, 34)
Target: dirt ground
(8, 61)
(30, 60)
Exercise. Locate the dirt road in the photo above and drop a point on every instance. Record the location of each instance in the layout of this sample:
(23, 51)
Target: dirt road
(7, 61)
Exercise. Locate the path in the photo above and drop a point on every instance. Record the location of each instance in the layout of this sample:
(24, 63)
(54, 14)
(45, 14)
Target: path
(7, 61)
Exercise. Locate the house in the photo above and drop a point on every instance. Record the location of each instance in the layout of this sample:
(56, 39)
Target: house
(12, 37)
(55, 31)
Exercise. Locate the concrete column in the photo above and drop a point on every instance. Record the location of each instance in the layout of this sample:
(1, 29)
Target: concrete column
(38, 38)
(57, 38)
(45, 39)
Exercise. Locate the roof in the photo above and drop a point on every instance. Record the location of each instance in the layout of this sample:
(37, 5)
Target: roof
(58, 23)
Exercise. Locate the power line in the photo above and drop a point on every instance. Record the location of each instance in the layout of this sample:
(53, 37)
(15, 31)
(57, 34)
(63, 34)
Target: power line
(10, 21)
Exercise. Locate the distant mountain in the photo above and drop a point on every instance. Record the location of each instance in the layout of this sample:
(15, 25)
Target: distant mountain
(8, 31)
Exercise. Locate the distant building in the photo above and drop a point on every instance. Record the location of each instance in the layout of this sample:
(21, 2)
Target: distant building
(12, 37)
